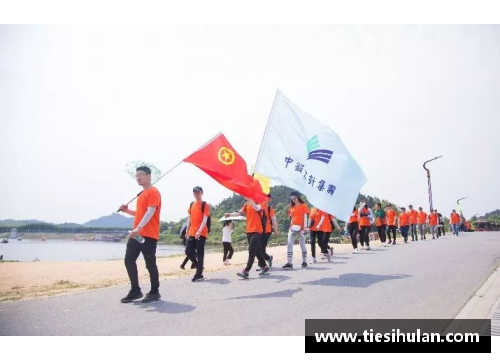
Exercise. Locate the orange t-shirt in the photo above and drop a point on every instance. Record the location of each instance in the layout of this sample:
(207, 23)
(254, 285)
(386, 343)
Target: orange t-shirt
(455, 218)
(254, 219)
(297, 213)
(197, 219)
(326, 227)
(149, 198)
(354, 217)
(413, 216)
(433, 219)
(404, 219)
(314, 215)
(422, 217)
(269, 225)
(364, 220)
(391, 217)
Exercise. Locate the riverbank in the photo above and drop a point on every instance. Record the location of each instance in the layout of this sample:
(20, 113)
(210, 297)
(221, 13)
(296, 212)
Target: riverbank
(27, 280)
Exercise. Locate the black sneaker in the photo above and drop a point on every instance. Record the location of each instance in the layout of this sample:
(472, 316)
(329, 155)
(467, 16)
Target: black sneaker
(193, 266)
(288, 266)
(197, 277)
(264, 271)
(244, 274)
(183, 267)
(151, 297)
(132, 295)
(304, 265)
(270, 261)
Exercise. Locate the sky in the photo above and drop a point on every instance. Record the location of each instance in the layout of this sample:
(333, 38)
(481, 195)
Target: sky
(77, 103)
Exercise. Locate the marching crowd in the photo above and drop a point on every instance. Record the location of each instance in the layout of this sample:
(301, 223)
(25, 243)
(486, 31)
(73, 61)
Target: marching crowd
(261, 222)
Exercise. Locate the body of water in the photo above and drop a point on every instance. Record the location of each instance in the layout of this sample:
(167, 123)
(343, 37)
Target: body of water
(70, 250)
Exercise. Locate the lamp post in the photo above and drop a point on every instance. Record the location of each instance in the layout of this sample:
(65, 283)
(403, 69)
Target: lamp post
(429, 188)
(460, 206)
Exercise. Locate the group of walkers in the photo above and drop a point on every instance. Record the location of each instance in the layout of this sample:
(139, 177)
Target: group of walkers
(387, 220)
(260, 223)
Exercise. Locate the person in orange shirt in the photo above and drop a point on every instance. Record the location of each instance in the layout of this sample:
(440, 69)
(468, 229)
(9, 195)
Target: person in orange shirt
(365, 221)
(197, 231)
(434, 224)
(144, 237)
(298, 227)
(271, 225)
(455, 222)
(391, 216)
(404, 224)
(315, 216)
(421, 219)
(352, 227)
(256, 221)
(413, 217)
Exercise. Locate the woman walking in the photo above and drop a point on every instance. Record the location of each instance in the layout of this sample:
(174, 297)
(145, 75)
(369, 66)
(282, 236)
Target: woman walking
(227, 231)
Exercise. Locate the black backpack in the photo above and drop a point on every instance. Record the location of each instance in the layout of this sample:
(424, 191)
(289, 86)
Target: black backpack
(209, 220)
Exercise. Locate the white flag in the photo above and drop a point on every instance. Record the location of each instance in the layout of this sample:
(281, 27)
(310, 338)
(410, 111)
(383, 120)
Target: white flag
(301, 153)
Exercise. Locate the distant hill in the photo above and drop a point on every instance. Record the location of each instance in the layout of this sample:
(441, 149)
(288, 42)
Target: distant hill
(17, 223)
(490, 214)
(113, 220)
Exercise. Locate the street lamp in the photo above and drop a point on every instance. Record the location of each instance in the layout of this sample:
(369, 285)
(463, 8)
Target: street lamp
(429, 189)
(460, 206)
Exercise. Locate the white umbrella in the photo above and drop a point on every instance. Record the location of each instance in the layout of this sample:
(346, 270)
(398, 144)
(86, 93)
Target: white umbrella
(234, 218)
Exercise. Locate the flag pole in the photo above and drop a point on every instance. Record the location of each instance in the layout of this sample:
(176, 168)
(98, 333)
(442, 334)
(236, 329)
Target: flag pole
(162, 176)
(177, 165)
(268, 126)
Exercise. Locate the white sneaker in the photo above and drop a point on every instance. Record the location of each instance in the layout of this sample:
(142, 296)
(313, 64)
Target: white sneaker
(383, 244)
(328, 257)
(355, 251)
(363, 247)
(331, 252)
(314, 261)
(368, 248)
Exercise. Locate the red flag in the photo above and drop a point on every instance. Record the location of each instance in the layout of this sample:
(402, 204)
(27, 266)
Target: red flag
(218, 159)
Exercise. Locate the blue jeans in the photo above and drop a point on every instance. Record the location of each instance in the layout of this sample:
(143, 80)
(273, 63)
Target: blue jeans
(404, 232)
(454, 229)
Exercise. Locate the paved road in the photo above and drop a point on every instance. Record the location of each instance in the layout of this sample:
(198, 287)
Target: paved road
(424, 279)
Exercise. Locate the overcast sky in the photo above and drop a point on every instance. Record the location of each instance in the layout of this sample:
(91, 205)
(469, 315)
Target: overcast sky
(79, 102)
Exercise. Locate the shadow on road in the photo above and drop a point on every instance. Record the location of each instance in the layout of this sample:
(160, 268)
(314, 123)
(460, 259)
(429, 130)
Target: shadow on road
(279, 278)
(162, 306)
(288, 293)
(217, 281)
(355, 280)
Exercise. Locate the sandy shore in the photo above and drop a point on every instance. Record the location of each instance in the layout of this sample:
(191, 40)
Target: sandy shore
(27, 280)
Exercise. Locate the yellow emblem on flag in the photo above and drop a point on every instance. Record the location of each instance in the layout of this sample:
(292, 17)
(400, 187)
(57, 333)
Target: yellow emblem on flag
(226, 156)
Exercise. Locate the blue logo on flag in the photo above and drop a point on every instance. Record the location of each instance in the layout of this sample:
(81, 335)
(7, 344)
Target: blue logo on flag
(315, 153)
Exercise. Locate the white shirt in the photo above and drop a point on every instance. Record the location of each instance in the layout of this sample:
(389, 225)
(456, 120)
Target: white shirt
(226, 234)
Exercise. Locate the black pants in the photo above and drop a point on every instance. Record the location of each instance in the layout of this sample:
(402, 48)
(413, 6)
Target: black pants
(254, 250)
(365, 235)
(381, 232)
(195, 251)
(148, 250)
(264, 239)
(319, 235)
(393, 229)
(324, 244)
(353, 228)
(441, 230)
(228, 251)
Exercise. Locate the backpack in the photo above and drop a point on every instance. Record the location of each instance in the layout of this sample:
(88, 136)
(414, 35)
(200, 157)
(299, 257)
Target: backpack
(209, 220)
